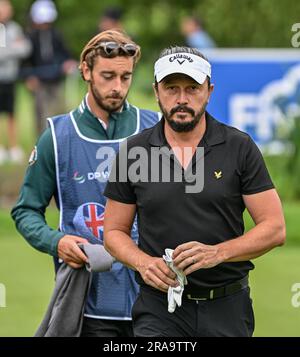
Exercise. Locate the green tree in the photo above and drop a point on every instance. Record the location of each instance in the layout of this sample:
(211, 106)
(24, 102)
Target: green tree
(156, 23)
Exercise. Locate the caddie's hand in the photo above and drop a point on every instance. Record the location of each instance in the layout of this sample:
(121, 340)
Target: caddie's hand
(192, 256)
(32, 83)
(69, 251)
(156, 273)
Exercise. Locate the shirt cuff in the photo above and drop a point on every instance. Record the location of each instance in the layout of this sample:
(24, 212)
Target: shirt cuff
(54, 243)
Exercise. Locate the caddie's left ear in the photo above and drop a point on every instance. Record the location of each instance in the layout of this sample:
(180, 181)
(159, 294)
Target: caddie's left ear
(86, 72)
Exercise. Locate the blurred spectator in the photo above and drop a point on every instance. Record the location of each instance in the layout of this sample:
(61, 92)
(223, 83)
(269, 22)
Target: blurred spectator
(111, 19)
(49, 62)
(195, 36)
(16, 48)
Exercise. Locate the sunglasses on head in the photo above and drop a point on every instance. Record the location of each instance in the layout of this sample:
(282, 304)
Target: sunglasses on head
(112, 49)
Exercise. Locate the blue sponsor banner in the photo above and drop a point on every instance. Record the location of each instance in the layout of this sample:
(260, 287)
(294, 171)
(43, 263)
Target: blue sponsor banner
(257, 91)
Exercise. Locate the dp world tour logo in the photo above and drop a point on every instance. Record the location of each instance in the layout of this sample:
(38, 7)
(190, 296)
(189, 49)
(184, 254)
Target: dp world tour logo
(89, 220)
(78, 178)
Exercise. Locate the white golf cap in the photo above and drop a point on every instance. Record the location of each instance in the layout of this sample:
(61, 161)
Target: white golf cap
(192, 65)
(43, 11)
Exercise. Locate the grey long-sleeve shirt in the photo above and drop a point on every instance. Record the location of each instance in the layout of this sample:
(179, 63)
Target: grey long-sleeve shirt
(17, 46)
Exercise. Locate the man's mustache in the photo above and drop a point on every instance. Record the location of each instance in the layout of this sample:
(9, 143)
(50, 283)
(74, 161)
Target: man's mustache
(180, 108)
(114, 96)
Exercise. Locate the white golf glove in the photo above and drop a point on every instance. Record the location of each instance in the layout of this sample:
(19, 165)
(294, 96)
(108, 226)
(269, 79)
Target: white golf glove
(174, 294)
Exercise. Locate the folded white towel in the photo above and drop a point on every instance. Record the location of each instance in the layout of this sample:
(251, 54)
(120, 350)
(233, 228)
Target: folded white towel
(174, 294)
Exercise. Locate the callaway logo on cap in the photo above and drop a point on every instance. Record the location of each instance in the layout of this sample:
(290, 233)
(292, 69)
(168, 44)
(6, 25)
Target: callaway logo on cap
(192, 65)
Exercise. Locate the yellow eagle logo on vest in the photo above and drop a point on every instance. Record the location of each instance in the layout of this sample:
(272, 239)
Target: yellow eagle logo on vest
(218, 175)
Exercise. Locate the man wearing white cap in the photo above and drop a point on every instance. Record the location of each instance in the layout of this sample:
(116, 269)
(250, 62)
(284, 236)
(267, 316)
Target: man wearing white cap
(43, 11)
(48, 63)
(192, 242)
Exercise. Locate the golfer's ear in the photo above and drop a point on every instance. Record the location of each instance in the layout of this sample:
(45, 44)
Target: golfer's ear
(86, 72)
(210, 90)
(154, 86)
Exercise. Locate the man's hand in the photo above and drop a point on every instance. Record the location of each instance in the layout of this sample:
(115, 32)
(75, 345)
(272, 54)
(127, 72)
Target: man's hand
(156, 273)
(192, 256)
(69, 66)
(69, 251)
(33, 84)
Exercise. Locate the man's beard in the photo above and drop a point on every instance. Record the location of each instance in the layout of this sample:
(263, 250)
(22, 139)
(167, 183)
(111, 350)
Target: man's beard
(183, 126)
(100, 100)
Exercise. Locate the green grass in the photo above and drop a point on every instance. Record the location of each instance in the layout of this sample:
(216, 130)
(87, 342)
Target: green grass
(271, 282)
(28, 277)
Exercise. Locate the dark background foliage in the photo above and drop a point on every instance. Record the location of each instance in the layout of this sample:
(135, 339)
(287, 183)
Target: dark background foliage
(156, 23)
